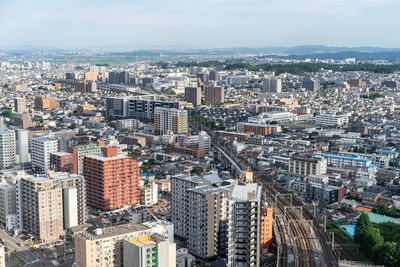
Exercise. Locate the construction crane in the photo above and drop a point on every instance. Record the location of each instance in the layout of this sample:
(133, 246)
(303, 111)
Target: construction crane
(155, 217)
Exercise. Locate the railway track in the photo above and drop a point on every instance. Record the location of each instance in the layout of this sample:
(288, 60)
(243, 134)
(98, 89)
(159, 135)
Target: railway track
(298, 240)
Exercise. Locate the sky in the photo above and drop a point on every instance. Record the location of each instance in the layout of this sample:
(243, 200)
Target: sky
(141, 24)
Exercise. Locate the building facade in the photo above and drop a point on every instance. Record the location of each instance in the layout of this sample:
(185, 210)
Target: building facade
(112, 181)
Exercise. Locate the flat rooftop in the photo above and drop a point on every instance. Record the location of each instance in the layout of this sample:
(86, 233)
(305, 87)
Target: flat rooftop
(240, 193)
(113, 231)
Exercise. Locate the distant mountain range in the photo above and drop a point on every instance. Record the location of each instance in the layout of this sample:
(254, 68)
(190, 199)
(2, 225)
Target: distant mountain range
(294, 52)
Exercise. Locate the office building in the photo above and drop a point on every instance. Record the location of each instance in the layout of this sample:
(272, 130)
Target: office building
(308, 164)
(312, 85)
(8, 207)
(170, 120)
(272, 85)
(104, 246)
(180, 202)
(193, 95)
(246, 224)
(42, 147)
(214, 95)
(152, 250)
(19, 105)
(41, 208)
(207, 221)
(204, 141)
(22, 120)
(22, 144)
(79, 152)
(112, 181)
(7, 149)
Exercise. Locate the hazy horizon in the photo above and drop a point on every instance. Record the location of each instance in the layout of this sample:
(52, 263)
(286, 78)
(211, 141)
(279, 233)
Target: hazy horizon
(179, 24)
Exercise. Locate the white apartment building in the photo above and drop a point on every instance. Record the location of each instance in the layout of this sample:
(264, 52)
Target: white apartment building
(346, 161)
(22, 137)
(7, 149)
(204, 141)
(41, 149)
(307, 165)
(379, 160)
(244, 215)
(319, 179)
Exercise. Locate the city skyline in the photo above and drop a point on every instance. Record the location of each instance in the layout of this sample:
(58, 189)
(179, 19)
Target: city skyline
(185, 24)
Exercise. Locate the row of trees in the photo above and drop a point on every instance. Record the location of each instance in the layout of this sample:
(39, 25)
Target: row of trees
(294, 68)
(373, 244)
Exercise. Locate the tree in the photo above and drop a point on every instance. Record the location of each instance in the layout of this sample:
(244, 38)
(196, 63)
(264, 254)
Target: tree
(362, 227)
(372, 239)
(7, 113)
(391, 254)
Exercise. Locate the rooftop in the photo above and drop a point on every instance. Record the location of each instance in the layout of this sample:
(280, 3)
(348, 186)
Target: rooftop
(112, 231)
(241, 193)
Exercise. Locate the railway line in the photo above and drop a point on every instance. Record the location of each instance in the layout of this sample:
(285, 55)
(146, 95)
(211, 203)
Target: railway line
(302, 240)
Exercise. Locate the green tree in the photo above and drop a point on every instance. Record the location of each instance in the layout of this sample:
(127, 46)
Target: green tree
(372, 240)
(7, 113)
(392, 254)
(363, 226)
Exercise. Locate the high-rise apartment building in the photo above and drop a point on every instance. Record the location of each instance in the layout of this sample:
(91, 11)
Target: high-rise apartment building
(90, 76)
(311, 85)
(61, 162)
(41, 149)
(112, 181)
(8, 206)
(245, 223)
(272, 85)
(45, 103)
(78, 154)
(104, 246)
(22, 144)
(41, 208)
(19, 105)
(193, 95)
(214, 95)
(168, 120)
(74, 197)
(22, 120)
(138, 107)
(207, 221)
(180, 202)
(7, 149)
